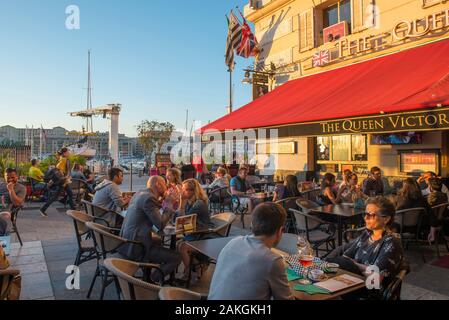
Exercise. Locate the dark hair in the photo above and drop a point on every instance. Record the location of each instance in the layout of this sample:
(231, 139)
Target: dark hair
(375, 169)
(267, 218)
(33, 162)
(113, 172)
(433, 174)
(327, 179)
(63, 150)
(11, 170)
(386, 207)
(436, 184)
(410, 190)
(76, 167)
(291, 186)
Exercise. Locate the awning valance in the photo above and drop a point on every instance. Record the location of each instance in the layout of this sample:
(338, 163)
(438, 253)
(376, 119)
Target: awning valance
(410, 80)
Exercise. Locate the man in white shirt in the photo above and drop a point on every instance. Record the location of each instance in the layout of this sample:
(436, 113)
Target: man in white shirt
(426, 176)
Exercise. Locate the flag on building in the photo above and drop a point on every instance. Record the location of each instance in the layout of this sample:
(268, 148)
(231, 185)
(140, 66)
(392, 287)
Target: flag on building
(234, 38)
(321, 58)
(248, 44)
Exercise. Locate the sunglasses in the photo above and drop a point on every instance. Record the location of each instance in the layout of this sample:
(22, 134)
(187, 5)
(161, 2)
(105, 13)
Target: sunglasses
(369, 215)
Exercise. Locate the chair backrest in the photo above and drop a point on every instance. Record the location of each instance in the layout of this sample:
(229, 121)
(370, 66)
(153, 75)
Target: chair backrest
(440, 211)
(131, 287)
(288, 243)
(289, 203)
(6, 278)
(306, 205)
(170, 293)
(104, 240)
(94, 210)
(409, 217)
(80, 219)
(223, 222)
(219, 194)
(305, 222)
(311, 194)
(14, 213)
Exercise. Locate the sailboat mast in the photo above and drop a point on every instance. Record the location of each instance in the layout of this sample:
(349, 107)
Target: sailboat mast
(89, 124)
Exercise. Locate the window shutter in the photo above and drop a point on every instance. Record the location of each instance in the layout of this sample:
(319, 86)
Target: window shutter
(307, 30)
(430, 3)
(362, 14)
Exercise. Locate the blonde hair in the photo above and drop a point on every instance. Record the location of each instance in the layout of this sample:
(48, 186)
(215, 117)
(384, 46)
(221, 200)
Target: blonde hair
(176, 174)
(199, 193)
(222, 171)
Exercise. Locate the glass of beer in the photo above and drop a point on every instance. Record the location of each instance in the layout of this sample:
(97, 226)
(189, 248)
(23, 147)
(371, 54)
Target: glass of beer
(306, 261)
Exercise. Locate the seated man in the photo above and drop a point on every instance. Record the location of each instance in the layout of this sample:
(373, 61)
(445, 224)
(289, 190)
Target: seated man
(377, 246)
(143, 214)
(37, 175)
(14, 195)
(373, 185)
(424, 182)
(247, 269)
(241, 188)
(109, 196)
(435, 198)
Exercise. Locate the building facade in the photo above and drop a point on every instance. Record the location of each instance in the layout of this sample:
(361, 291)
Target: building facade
(314, 40)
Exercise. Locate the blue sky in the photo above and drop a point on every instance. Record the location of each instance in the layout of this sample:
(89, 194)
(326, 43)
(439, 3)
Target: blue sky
(157, 58)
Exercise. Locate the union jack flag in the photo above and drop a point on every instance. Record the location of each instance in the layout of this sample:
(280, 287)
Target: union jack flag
(321, 58)
(248, 46)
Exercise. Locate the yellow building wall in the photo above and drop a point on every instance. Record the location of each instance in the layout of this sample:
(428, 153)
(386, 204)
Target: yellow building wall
(282, 28)
(282, 25)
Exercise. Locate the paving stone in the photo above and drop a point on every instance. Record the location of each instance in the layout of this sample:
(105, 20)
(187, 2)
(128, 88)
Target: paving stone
(36, 286)
(26, 269)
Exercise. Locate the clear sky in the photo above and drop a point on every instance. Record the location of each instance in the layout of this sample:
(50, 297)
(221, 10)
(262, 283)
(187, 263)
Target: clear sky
(155, 57)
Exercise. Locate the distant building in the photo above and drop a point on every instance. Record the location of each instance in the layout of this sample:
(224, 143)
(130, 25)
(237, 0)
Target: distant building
(58, 137)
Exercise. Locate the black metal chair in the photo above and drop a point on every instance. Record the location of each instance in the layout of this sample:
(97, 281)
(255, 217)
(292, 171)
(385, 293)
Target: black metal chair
(238, 208)
(311, 195)
(114, 218)
(14, 214)
(86, 248)
(106, 244)
(219, 200)
(409, 223)
(287, 204)
(441, 213)
(393, 291)
(79, 189)
(318, 232)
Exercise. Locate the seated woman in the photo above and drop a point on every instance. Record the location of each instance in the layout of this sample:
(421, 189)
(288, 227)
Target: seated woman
(350, 190)
(193, 201)
(377, 247)
(287, 190)
(327, 190)
(221, 181)
(174, 184)
(410, 196)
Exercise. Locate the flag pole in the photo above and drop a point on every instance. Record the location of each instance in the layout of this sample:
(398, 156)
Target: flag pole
(230, 91)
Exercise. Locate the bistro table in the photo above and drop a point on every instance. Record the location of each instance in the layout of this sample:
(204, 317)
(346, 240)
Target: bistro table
(341, 212)
(212, 248)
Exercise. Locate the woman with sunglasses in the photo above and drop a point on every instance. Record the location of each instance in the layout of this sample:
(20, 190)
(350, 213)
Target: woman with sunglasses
(377, 246)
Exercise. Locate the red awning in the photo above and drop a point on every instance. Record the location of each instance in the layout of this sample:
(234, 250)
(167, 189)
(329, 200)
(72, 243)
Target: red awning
(409, 80)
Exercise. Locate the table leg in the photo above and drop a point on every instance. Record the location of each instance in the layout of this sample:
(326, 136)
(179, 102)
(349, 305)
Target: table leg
(340, 231)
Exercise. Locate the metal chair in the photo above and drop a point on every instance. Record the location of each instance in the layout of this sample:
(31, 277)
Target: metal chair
(86, 248)
(114, 218)
(409, 223)
(219, 199)
(14, 214)
(440, 211)
(287, 204)
(132, 287)
(6, 278)
(106, 243)
(311, 195)
(238, 208)
(170, 293)
(34, 193)
(393, 290)
(318, 232)
(79, 189)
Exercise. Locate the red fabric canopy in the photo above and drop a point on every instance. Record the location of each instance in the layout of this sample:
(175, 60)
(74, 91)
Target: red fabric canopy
(413, 79)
